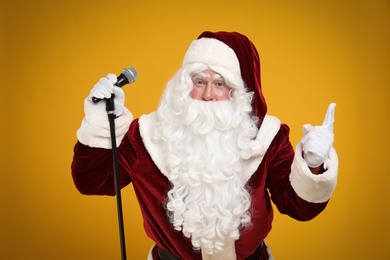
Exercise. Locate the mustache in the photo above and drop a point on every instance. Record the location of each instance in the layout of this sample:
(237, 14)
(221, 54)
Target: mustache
(204, 116)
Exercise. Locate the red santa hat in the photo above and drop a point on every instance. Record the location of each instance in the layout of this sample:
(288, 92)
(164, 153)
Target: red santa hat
(233, 51)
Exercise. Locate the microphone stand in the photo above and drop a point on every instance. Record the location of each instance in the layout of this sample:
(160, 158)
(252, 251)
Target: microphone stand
(110, 108)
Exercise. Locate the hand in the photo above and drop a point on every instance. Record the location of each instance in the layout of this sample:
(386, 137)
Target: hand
(318, 140)
(104, 89)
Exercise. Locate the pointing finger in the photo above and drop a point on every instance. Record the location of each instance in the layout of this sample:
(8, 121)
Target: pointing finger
(329, 117)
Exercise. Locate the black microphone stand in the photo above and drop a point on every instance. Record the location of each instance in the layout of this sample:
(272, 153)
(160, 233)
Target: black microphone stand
(110, 108)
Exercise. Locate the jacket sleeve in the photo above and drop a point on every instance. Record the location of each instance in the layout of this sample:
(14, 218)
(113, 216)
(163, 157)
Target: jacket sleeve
(92, 168)
(279, 161)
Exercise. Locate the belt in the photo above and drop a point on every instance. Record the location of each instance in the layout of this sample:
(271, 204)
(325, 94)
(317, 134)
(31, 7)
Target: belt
(256, 255)
(165, 255)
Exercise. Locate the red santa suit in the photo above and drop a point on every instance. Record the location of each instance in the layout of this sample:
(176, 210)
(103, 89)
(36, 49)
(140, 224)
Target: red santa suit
(274, 172)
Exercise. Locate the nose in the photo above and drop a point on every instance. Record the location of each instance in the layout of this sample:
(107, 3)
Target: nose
(208, 93)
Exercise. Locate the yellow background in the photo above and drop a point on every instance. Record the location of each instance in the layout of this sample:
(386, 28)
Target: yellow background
(312, 53)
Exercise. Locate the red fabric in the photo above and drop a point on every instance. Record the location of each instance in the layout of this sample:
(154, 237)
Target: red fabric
(249, 65)
(92, 172)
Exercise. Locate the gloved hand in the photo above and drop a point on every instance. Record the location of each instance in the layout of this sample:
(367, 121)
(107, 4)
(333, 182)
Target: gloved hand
(318, 140)
(104, 88)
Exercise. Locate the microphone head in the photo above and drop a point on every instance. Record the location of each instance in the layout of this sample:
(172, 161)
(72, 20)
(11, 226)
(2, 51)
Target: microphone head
(130, 73)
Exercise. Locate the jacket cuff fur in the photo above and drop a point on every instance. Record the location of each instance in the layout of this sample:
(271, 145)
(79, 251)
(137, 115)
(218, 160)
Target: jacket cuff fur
(316, 188)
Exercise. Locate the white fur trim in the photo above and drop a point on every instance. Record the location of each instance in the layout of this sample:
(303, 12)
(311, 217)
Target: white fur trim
(316, 188)
(269, 128)
(212, 52)
(266, 134)
(270, 255)
(146, 123)
(95, 128)
(150, 255)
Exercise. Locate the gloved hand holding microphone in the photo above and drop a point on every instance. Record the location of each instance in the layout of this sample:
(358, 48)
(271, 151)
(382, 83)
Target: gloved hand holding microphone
(94, 130)
(112, 85)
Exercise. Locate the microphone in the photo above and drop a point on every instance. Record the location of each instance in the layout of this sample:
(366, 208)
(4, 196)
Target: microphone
(128, 76)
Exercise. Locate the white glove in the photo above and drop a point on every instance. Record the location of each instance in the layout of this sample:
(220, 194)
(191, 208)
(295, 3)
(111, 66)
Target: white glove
(104, 88)
(95, 128)
(318, 140)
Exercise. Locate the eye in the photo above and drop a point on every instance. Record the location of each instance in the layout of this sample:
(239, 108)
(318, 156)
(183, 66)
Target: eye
(219, 84)
(198, 81)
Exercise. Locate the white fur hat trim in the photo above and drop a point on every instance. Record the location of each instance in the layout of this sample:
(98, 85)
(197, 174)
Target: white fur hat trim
(212, 52)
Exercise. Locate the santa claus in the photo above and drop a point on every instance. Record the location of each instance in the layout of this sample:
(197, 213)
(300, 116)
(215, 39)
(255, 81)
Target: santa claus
(207, 164)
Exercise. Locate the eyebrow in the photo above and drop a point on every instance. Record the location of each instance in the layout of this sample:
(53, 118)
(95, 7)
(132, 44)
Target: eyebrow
(199, 74)
(218, 77)
(203, 76)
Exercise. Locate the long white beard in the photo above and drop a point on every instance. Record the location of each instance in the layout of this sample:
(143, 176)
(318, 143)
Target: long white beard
(205, 147)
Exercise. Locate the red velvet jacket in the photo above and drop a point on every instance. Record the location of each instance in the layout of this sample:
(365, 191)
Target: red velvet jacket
(92, 172)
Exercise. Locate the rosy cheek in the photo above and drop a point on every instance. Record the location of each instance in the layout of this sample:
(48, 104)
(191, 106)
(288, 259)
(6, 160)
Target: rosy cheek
(194, 94)
(223, 95)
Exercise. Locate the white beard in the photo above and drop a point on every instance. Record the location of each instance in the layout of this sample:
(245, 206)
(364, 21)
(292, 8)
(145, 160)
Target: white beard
(205, 144)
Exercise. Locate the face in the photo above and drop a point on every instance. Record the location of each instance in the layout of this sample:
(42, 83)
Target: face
(209, 86)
